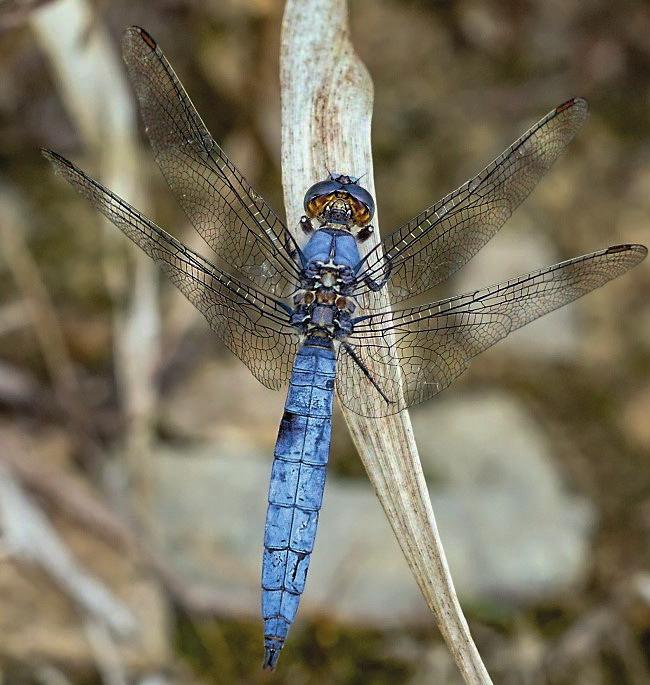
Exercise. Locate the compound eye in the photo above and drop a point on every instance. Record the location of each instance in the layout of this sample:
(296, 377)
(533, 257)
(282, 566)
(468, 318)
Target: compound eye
(314, 206)
(318, 195)
(360, 212)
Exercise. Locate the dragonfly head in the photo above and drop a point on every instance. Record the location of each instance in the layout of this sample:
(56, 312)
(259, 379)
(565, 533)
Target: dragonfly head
(340, 200)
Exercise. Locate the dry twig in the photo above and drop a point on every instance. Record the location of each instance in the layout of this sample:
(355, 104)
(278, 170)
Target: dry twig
(326, 111)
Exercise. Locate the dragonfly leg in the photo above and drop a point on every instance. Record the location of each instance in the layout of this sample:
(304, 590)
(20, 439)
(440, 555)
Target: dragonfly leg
(378, 285)
(365, 233)
(343, 323)
(306, 224)
(299, 316)
(355, 358)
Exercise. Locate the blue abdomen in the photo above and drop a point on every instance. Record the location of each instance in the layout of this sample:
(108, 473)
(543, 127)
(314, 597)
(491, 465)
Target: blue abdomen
(296, 489)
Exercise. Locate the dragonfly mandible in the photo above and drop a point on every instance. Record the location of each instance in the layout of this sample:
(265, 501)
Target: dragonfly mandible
(313, 317)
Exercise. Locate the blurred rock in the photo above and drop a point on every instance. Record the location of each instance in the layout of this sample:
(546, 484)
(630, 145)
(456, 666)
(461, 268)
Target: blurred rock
(436, 666)
(509, 529)
(219, 400)
(484, 440)
(525, 535)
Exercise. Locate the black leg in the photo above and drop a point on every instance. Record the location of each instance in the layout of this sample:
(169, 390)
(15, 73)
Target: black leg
(355, 357)
(378, 285)
(305, 224)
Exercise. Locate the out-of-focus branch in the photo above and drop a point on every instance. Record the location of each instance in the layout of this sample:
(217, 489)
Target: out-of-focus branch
(65, 492)
(15, 12)
(105, 652)
(28, 536)
(13, 316)
(95, 93)
(327, 99)
(42, 315)
(36, 299)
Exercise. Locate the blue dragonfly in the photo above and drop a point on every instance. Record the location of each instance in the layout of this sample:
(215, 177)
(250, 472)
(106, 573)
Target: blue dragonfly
(310, 311)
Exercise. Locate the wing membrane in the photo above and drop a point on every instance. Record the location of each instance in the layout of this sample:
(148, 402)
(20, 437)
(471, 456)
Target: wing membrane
(253, 326)
(235, 222)
(415, 353)
(437, 242)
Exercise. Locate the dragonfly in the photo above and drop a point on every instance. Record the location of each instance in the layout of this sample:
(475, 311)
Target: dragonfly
(307, 310)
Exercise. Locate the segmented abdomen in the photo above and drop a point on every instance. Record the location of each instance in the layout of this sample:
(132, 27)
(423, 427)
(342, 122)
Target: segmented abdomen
(296, 490)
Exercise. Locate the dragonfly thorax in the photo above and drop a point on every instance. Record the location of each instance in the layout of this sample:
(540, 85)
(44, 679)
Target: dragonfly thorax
(322, 306)
(323, 311)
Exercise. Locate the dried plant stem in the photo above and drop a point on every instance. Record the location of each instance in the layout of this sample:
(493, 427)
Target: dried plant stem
(327, 99)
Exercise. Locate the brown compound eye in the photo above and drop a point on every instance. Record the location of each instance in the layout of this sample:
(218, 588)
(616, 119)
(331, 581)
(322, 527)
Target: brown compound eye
(316, 205)
(360, 213)
(341, 302)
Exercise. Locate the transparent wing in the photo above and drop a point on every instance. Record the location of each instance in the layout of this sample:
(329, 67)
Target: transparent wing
(413, 354)
(232, 218)
(253, 326)
(437, 242)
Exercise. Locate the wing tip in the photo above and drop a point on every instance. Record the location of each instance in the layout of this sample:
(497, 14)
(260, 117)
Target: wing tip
(140, 33)
(577, 102)
(640, 250)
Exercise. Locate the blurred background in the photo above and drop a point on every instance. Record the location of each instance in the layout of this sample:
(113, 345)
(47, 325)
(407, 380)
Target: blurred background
(135, 450)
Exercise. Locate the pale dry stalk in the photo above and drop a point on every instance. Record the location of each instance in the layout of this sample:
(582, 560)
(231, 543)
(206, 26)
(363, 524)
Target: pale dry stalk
(327, 97)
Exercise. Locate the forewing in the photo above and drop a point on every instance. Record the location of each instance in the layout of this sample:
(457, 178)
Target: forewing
(413, 354)
(437, 242)
(233, 219)
(253, 326)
